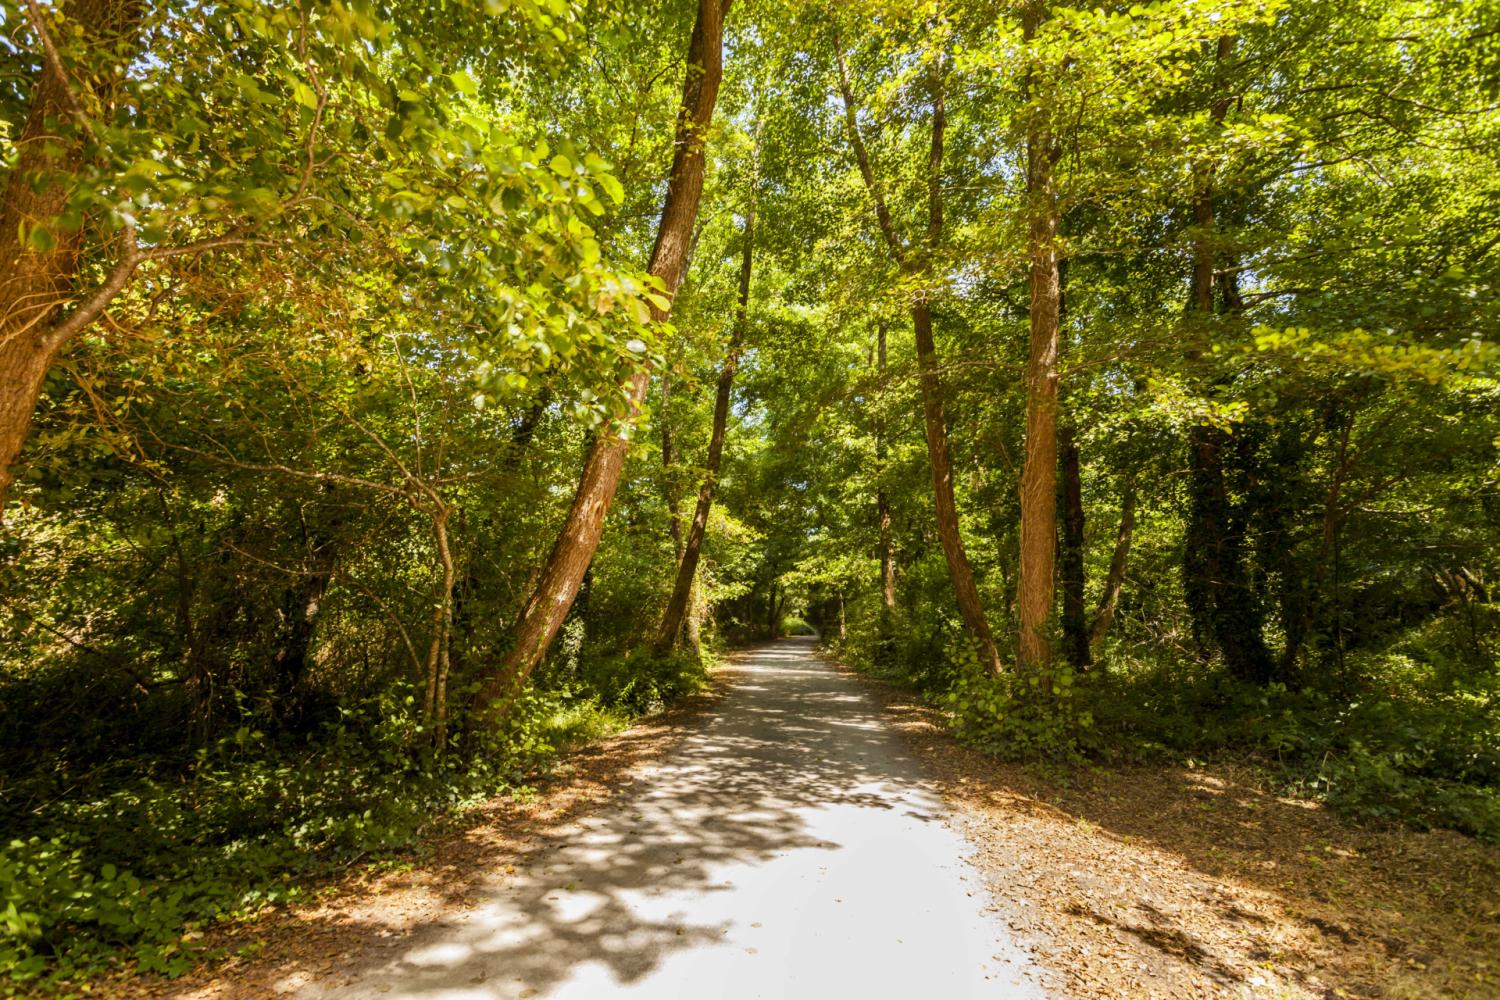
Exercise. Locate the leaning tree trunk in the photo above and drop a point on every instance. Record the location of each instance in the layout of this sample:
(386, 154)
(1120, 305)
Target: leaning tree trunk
(692, 547)
(1039, 474)
(38, 262)
(574, 549)
(916, 262)
(940, 461)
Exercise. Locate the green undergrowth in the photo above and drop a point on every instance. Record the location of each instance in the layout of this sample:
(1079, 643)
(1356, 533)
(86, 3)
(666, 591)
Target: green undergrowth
(133, 861)
(1403, 736)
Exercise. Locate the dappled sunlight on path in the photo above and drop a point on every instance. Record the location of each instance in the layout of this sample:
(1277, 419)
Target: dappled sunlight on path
(789, 847)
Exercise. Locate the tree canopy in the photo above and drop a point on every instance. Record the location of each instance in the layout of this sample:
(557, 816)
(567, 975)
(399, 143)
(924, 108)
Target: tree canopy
(415, 387)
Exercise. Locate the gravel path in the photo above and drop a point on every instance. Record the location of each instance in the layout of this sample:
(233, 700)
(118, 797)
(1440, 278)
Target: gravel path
(790, 847)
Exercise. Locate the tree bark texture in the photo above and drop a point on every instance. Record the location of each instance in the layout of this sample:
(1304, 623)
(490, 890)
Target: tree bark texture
(1039, 473)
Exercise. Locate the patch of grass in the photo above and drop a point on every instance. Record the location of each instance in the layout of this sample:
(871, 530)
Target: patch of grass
(582, 722)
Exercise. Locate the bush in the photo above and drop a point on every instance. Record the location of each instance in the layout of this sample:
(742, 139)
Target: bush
(1017, 716)
(1407, 735)
(144, 862)
(136, 864)
(1393, 742)
(641, 682)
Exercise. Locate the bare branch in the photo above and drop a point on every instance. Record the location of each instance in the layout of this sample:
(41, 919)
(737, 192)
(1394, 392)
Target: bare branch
(96, 303)
(287, 470)
(51, 56)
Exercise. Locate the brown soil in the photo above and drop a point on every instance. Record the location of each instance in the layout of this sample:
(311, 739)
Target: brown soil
(1178, 882)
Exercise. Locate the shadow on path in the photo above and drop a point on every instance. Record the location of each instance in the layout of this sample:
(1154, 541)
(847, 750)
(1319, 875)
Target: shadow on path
(789, 847)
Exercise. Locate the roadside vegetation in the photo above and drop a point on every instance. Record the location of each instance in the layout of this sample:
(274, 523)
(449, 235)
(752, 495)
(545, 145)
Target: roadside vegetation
(391, 400)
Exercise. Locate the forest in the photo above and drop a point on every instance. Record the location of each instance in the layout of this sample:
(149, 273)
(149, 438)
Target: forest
(395, 396)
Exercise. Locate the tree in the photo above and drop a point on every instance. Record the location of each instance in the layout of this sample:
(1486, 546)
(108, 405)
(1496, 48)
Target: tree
(1039, 475)
(687, 564)
(548, 605)
(886, 543)
(914, 261)
(298, 132)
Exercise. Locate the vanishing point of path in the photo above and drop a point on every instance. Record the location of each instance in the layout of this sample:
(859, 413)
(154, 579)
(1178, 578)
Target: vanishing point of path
(790, 847)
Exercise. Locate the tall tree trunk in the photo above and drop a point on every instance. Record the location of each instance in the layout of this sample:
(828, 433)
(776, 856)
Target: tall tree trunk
(1039, 474)
(1071, 552)
(1115, 580)
(887, 554)
(687, 563)
(1201, 535)
(574, 550)
(691, 626)
(1276, 544)
(1071, 569)
(883, 516)
(916, 261)
(1225, 612)
(37, 272)
(1204, 533)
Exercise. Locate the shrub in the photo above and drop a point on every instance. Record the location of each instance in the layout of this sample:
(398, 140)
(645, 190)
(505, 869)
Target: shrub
(1017, 716)
(136, 864)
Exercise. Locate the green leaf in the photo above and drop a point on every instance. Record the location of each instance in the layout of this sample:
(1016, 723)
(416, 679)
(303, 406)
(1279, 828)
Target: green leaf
(464, 83)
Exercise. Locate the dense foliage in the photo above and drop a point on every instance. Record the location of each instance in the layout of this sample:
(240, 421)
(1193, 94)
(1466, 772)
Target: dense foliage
(1212, 288)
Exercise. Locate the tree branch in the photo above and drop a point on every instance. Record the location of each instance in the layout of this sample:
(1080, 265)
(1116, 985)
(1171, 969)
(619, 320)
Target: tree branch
(52, 57)
(861, 154)
(131, 257)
